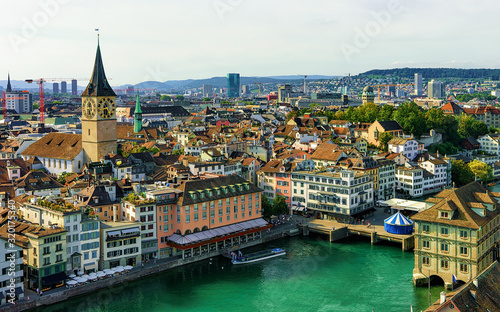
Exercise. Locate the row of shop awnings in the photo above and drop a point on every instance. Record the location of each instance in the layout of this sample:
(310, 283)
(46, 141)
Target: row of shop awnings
(206, 236)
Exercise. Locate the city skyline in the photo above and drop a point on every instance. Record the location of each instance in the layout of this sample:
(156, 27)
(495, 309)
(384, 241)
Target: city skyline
(168, 40)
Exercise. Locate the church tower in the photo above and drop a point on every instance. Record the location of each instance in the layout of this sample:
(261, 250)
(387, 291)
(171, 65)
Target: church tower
(9, 87)
(98, 115)
(137, 115)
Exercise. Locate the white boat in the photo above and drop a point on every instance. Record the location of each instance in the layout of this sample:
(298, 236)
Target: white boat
(259, 256)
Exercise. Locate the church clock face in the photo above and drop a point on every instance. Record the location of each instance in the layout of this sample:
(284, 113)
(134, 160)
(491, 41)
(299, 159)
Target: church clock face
(106, 108)
(88, 109)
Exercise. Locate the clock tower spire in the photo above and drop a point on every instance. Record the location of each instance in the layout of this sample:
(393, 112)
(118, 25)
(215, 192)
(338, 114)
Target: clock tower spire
(98, 114)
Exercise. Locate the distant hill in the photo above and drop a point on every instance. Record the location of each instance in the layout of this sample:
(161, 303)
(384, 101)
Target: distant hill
(475, 73)
(219, 82)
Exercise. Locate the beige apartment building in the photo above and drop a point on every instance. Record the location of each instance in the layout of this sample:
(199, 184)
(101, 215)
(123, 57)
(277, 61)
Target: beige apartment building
(458, 235)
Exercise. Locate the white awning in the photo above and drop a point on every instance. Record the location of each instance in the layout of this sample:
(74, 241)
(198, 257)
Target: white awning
(131, 230)
(113, 233)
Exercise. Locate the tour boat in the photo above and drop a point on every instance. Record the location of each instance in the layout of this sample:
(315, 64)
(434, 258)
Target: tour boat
(259, 256)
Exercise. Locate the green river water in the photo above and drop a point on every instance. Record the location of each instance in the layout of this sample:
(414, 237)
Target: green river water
(315, 275)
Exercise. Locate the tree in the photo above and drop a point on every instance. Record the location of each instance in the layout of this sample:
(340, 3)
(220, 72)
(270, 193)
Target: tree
(291, 115)
(267, 207)
(481, 170)
(180, 97)
(312, 106)
(469, 126)
(165, 97)
(62, 177)
(280, 206)
(461, 174)
(207, 99)
(384, 139)
(36, 106)
(411, 118)
(386, 113)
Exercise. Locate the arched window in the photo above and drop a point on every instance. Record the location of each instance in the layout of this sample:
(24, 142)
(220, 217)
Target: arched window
(79, 164)
(204, 228)
(187, 232)
(196, 230)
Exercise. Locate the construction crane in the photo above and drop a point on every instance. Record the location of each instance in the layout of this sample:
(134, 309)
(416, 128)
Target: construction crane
(4, 103)
(41, 95)
(305, 76)
(259, 83)
(390, 85)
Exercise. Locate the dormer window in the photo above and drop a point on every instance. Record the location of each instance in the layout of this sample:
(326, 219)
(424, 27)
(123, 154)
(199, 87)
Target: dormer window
(444, 215)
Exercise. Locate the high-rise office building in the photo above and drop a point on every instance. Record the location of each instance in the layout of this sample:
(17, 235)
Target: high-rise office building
(233, 85)
(245, 89)
(435, 89)
(64, 89)
(55, 88)
(284, 92)
(74, 87)
(207, 90)
(418, 84)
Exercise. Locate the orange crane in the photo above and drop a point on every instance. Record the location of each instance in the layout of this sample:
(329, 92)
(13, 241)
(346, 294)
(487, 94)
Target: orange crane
(41, 95)
(390, 85)
(259, 83)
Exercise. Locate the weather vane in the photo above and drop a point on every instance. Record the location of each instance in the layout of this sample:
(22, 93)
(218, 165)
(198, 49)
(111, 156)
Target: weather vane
(97, 29)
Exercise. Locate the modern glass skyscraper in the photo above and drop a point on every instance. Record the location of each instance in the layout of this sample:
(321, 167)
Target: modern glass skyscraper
(233, 85)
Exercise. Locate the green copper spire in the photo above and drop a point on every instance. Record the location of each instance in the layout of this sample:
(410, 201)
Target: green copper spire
(137, 115)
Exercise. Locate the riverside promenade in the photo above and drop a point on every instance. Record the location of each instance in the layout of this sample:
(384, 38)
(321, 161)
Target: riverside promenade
(107, 288)
(372, 227)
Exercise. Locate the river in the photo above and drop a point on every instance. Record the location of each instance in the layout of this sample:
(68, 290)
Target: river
(315, 275)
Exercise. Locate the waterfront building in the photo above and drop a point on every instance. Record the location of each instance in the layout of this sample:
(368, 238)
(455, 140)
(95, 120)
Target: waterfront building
(233, 85)
(327, 195)
(410, 180)
(379, 127)
(214, 214)
(458, 236)
(10, 251)
(406, 146)
(82, 250)
(479, 294)
(43, 254)
(166, 203)
(138, 208)
(120, 243)
(386, 179)
(418, 85)
(275, 179)
(441, 171)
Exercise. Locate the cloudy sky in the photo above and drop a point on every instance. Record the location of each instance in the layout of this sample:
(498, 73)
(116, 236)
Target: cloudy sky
(167, 40)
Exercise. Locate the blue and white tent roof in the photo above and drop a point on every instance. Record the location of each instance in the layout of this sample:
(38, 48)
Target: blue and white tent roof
(398, 219)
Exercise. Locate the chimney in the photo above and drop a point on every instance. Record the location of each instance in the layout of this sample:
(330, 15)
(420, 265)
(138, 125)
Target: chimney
(442, 297)
(114, 213)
